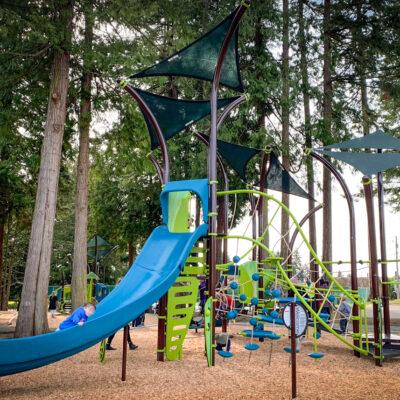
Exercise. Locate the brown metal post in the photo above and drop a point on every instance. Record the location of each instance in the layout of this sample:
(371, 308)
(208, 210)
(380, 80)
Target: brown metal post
(261, 252)
(212, 161)
(382, 235)
(253, 204)
(373, 267)
(295, 233)
(163, 173)
(161, 140)
(293, 348)
(124, 352)
(353, 253)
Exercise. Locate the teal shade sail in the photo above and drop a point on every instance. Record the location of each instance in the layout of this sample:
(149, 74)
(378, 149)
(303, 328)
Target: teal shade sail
(367, 163)
(377, 140)
(198, 60)
(174, 115)
(236, 156)
(98, 248)
(279, 179)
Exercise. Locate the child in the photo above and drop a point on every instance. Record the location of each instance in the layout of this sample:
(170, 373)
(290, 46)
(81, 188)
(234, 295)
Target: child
(78, 317)
(53, 304)
(344, 312)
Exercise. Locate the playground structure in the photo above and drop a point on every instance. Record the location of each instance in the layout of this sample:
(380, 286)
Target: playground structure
(176, 254)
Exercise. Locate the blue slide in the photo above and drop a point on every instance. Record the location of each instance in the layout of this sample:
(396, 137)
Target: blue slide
(151, 275)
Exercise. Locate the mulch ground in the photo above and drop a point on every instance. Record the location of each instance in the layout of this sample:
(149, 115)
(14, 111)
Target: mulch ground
(339, 375)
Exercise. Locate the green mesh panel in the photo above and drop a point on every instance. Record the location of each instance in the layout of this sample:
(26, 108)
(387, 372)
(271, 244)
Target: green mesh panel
(280, 180)
(376, 140)
(198, 59)
(174, 115)
(247, 285)
(367, 163)
(235, 155)
(102, 246)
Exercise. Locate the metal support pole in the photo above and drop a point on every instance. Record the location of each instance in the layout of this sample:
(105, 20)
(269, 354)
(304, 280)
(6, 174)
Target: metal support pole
(212, 161)
(353, 254)
(373, 267)
(397, 268)
(382, 235)
(293, 348)
(261, 252)
(124, 352)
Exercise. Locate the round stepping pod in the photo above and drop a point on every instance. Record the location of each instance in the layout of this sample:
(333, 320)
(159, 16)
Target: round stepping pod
(267, 292)
(273, 336)
(276, 293)
(274, 314)
(231, 314)
(253, 321)
(288, 349)
(254, 301)
(317, 335)
(265, 311)
(236, 259)
(332, 298)
(316, 355)
(251, 346)
(225, 354)
(255, 277)
(234, 285)
(243, 297)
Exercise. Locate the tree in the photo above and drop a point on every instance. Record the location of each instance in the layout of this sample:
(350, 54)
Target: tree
(32, 317)
(285, 104)
(78, 285)
(305, 88)
(327, 124)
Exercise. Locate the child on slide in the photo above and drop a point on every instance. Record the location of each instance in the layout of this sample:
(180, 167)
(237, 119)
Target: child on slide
(78, 317)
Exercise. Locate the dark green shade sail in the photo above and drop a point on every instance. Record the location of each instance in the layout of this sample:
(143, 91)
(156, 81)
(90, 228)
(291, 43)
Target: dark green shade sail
(174, 115)
(279, 179)
(367, 163)
(98, 248)
(235, 155)
(198, 60)
(376, 140)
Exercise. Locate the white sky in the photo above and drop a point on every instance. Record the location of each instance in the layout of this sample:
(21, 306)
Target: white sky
(340, 226)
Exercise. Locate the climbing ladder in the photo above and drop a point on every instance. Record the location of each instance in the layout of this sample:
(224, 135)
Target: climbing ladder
(182, 298)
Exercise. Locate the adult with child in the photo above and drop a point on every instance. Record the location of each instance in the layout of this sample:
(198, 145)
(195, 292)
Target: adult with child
(53, 304)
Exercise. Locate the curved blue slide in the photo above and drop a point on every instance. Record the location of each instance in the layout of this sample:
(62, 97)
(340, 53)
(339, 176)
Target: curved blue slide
(151, 275)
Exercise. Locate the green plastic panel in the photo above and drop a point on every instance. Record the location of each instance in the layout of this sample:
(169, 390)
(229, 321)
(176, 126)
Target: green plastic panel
(182, 297)
(247, 285)
(178, 211)
(208, 321)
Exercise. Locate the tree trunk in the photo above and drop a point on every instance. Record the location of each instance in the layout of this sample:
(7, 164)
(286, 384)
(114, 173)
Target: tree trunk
(131, 254)
(308, 136)
(285, 123)
(3, 276)
(32, 317)
(327, 117)
(78, 286)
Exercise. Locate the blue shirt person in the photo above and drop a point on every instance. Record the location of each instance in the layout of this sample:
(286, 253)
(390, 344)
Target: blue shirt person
(78, 317)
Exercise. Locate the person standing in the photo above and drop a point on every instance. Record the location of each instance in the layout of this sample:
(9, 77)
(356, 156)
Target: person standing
(53, 301)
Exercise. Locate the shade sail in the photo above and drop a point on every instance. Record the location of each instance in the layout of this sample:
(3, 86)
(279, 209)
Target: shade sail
(198, 59)
(367, 163)
(174, 115)
(236, 156)
(279, 179)
(376, 140)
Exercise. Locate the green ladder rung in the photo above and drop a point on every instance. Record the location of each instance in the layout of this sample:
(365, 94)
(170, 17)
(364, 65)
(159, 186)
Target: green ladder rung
(195, 259)
(198, 250)
(192, 270)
